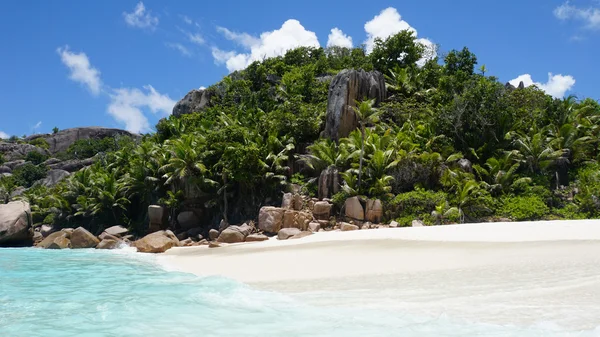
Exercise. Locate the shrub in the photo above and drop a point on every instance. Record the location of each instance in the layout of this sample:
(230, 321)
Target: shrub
(27, 174)
(1, 159)
(40, 142)
(49, 219)
(417, 204)
(87, 148)
(530, 207)
(588, 182)
(35, 157)
(569, 212)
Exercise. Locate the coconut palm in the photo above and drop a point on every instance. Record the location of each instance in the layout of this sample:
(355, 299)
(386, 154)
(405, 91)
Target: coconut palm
(366, 114)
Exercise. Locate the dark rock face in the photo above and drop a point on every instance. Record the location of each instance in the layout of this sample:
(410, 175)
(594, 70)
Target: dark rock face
(12, 152)
(345, 89)
(63, 139)
(521, 85)
(329, 182)
(195, 100)
(73, 164)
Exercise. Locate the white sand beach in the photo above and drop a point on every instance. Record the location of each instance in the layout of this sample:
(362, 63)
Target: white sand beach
(524, 273)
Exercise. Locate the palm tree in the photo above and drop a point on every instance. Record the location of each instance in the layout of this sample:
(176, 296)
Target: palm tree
(366, 114)
(535, 151)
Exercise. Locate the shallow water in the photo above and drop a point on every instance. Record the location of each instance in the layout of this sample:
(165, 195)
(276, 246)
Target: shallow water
(119, 293)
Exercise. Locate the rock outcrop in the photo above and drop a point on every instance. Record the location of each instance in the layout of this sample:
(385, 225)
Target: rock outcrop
(61, 140)
(158, 216)
(232, 234)
(270, 219)
(354, 210)
(108, 244)
(15, 222)
(72, 165)
(157, 242)
(374, 211)
(296, 219)
(195, 101)
(116, 230)
(347, 87)
(287, 233)
(322, 210)
(60, 237)
(329, 182)
(14, 151)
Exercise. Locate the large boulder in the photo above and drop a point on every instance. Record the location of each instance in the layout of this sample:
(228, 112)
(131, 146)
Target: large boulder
(286, 233)
(296, 219)
(15, 222)
(345, 227)
(354, 209)
(157, 242)
(232, 234)
(286, 201)
(5, 169)
(374, 211)
(62, 242)
(188, 220)
(12, 165)
(195, 101)
(322, 210)
(347, 87)
(61, 140)
(158, 216)
(53, 177)
(329, 182)
(270, 219)
(256, 237)
(108, 244)
(82, 238)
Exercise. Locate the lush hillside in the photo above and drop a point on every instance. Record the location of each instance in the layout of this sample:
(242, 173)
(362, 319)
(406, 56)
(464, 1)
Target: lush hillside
(449, 144)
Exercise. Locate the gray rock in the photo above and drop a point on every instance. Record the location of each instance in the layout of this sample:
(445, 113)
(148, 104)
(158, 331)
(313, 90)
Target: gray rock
(116, 230)
(521, 85)
(5, 169)
(213, 234)
(231, 234)
(329, 182)
(106, 236)
(52, 161)
(394, 224)
(301, 235)
(2, 175)
(157, 242)
(37, 237)
(287, 200)
(46, 230)
(314, 227)
(256, 237)
(345, 227)
(195, 101)
(82, 238)
(286, 233)
(73, 165)
(158, 215)
(374, 211)
(417, 223)
(354, 209)
(194, 232)
(188, 220)
(322, 210)
(465, 165)
(14, 164)
(53, 177)
(18, 192)
(270, 219)
(14, 151)
(182, 236)
(15, 221)
(345, 89)
(63, 139)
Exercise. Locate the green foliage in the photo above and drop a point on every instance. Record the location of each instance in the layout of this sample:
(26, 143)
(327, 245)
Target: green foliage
(588, 181)
(417, 204)
(35, 157)
(87, 148)
(520, 208)
(49, 219)
(28, 173)
(55, 130)
(401, 50)
(1, 159)
(40, 142)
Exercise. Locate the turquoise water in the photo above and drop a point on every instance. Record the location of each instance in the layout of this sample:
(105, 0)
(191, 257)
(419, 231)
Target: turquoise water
(117, 293)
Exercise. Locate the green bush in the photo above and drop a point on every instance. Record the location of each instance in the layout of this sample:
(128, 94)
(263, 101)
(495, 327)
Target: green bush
(87, 148)
(40, 142)
(588, 182)
(417, 204)
(569, 212)
(1, 159)
(522, 208)
(49, 219)
(27, 174)
(35, 157)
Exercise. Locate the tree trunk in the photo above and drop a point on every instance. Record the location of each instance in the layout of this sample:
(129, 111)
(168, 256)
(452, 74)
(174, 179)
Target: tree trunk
(225, 197)
(362, 154)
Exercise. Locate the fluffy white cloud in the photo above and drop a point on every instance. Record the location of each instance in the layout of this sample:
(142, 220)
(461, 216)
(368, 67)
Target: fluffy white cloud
(127, 106)
(202, 87)
(140, 18)
(556, 86)
(181, 48)
(196, 38)
(81, 69)
(270, 44)
(4, 135)
(389, 22)
(589, 16)
(339, 39)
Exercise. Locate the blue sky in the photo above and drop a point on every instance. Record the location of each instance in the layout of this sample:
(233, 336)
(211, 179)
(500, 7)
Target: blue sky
(125, 63)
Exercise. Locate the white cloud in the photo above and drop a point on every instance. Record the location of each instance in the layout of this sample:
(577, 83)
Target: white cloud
(270, 44)
(4, 135)
(589, 16)
(140, 18)
(181, 48)
(36, 126)
(556, 86)
(186, 19)
(127, 104)
(244, 39)
(389, 22)
(202, 87)
(339, 39)
(81, 69)
(196, 38)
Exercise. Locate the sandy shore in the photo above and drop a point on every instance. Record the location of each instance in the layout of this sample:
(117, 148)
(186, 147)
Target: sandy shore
(523, 272)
